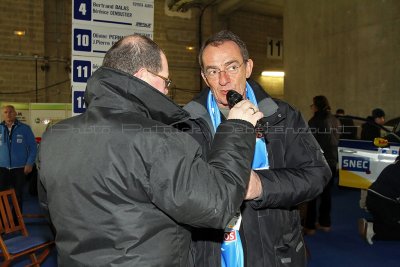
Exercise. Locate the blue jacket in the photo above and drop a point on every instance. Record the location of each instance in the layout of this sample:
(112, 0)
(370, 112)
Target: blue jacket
(19, 149)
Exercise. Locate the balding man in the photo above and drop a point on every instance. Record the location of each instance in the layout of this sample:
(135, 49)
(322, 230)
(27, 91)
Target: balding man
(123, 183)
(17, 152)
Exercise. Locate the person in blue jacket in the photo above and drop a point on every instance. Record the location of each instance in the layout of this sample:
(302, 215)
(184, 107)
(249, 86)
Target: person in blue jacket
(17, 152)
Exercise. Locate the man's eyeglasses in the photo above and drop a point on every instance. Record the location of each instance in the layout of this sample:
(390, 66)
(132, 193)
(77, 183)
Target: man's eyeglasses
(231, 69)
(167, 81)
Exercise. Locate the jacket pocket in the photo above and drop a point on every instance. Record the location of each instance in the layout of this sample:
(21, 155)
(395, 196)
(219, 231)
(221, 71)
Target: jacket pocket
(292, 251)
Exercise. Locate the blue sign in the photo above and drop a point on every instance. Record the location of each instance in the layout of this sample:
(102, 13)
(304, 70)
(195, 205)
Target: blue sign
(82, 69)
(82, 40)
(83, 9)
(79, 102)
(357, 164)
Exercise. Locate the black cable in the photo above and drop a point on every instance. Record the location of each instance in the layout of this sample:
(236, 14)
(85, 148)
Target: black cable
(43, 88)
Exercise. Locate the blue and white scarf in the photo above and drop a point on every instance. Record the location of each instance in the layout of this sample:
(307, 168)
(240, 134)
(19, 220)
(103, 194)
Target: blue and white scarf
(231, 249)
(260, 159)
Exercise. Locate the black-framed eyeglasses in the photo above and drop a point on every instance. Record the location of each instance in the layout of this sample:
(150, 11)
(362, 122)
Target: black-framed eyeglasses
(231, 69)
(167, 81)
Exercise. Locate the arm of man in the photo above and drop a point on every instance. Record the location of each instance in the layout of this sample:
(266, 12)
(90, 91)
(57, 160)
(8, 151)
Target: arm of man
(199, 193)
(305, 173)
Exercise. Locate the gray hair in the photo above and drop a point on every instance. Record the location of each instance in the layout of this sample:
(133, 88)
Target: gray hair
(132, 53)
(221, 37)
(8, 106)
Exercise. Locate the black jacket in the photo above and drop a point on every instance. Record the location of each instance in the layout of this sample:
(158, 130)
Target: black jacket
(370, 130)
(270, 229)
(123, 187)
(388, 182)
(325, 128)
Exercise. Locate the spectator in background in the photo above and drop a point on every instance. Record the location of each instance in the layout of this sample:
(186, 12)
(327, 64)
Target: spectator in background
(348, 130)
(383, 202)
(17, 152)
(325, 128)
(370, 129)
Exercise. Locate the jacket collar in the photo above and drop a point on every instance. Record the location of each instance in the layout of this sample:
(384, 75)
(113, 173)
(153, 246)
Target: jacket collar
(16, 122)
(122, 92)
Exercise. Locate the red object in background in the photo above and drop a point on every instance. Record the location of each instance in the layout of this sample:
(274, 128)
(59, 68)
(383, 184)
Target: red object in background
(38, 139)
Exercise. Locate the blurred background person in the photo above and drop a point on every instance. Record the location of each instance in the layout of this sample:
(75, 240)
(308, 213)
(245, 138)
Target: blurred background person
(17, 152)
(325, 128)
(348, 130)
(370, 129)
(383, 202)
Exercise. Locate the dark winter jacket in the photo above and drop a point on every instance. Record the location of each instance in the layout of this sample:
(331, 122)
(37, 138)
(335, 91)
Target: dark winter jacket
(123, 187)
(388, 182)
(370, 130)
(19, 148)
(325, 128)
(270, 229)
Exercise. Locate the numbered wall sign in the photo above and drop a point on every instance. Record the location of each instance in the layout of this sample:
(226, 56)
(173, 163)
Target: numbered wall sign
(83, 9)
(96, 26)
(82, 40)
(96, 40)
(138, 15)
(274, 48)
(78, 101)
(83, 67)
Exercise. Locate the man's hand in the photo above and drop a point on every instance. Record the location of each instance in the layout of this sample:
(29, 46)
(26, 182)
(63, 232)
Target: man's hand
(245, 110)
(27, 169)
(254, 188)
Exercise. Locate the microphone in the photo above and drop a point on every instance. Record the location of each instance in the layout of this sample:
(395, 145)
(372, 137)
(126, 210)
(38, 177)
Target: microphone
(233, 98)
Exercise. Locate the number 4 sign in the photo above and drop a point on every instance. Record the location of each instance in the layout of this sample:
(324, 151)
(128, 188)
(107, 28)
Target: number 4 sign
(83, 9)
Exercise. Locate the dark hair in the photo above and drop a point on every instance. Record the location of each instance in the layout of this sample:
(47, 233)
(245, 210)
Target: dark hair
(378, 113)
(133, 52)
(221, 37)
(321, 103)
(340, 111)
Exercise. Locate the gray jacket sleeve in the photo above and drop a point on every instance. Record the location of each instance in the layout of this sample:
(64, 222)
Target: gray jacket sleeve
(42, 194)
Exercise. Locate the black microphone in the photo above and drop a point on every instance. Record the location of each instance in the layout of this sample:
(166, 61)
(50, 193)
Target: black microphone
(233, 98)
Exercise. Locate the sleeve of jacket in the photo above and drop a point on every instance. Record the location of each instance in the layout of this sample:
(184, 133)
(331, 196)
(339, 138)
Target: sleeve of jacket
(199, 193)
(305, 173)
(31, 146)
(42, 194)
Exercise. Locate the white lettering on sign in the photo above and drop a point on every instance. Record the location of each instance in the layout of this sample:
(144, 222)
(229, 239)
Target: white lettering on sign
(359, 164)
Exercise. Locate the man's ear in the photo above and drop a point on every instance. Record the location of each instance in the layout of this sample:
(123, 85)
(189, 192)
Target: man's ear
(141, 73)
(205, 79)
(249, 68)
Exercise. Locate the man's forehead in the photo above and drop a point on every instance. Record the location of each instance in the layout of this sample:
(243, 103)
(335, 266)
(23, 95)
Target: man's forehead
(8, 109)
(228, 51)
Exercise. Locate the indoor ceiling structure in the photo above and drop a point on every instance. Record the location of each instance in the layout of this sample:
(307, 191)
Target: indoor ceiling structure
(226, 7)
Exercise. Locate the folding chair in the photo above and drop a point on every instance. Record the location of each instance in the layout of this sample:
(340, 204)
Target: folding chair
(19, 242)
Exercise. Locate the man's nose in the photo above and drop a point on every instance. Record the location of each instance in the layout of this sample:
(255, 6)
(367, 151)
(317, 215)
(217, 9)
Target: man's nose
(223, 77)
